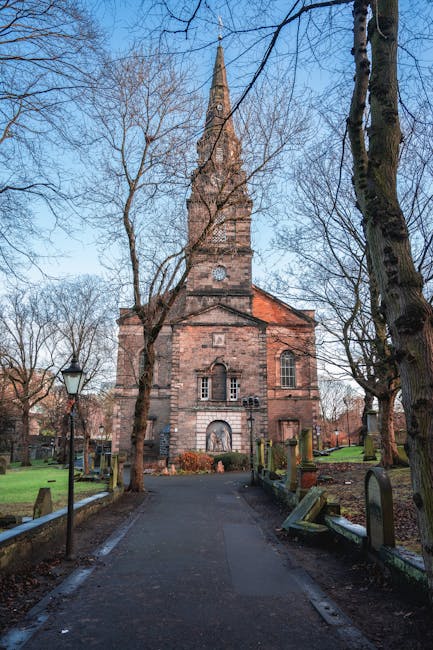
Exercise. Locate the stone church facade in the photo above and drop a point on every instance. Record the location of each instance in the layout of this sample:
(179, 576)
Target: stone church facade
(225, 338)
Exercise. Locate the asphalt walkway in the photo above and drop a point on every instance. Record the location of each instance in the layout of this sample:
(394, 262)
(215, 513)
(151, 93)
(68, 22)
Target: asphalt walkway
(193, 571)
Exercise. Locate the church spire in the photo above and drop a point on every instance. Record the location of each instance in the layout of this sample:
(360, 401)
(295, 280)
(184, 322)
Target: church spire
(219, 130)
(220, 207)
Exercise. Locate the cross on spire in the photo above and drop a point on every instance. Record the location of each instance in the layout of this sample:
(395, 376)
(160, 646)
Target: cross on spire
(220, 28)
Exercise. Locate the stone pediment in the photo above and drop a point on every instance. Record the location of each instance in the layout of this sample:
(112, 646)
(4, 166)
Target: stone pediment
(220, 315)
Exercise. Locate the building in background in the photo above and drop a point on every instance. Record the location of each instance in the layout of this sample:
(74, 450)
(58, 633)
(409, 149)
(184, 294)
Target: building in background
(225, 338)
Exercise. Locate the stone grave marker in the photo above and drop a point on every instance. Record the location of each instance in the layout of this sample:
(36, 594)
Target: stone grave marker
(3, 465)
(43, 504)
(379, 508)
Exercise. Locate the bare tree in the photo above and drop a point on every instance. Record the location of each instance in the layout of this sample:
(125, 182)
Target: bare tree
(334, 272)
(83, 314)
(45, 52)
(27, 354)
(83, 310)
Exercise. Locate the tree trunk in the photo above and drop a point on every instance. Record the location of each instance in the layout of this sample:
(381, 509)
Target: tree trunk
(140, 418)
(408, 314)
(390, 455)
(25, 461)
(368, 405)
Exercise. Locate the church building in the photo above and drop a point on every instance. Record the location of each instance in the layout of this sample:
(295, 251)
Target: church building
(225, 339)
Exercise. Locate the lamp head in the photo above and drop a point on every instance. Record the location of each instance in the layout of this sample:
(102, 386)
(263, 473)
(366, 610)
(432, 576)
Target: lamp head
(74, 377)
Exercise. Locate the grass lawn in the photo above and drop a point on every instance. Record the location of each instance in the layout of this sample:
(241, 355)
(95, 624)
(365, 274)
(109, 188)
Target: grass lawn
(19, 488)
(352, 454)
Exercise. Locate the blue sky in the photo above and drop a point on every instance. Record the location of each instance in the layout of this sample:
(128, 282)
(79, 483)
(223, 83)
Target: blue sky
(78, 253)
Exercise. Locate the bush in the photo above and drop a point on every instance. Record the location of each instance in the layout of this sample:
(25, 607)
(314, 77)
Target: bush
(280, 456)
(195, 461)
(233, 461)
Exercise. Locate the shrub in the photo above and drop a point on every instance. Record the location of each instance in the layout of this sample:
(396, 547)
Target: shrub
(233, 461)
(195, 461)
(280, 456)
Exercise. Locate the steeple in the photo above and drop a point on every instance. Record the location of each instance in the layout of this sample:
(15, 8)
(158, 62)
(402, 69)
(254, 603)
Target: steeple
(220, 206)
(219, 131)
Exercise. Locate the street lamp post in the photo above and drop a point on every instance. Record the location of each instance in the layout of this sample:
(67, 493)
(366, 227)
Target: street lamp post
(337, 433)
(250, 404)
(73, 378)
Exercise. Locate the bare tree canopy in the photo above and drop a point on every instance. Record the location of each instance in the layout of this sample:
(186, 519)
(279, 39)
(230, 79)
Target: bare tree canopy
(46, 50)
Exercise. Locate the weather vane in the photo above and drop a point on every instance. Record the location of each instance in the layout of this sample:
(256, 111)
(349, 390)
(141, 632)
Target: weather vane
(220, 25)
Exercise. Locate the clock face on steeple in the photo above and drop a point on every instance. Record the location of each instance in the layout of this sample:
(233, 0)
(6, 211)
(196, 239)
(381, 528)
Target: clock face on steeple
(219, 273)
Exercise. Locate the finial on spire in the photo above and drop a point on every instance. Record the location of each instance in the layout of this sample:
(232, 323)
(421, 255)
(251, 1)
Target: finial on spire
(220, 26)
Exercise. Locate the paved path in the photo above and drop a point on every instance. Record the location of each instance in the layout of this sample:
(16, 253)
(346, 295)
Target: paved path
(194, 571)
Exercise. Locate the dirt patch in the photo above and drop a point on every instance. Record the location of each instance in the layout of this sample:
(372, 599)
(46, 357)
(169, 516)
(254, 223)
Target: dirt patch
(345, 481)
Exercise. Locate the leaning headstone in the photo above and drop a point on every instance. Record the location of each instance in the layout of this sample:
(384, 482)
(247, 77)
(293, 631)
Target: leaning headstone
(379, 508)
(3, 465)
(308, 509)
(43, 504)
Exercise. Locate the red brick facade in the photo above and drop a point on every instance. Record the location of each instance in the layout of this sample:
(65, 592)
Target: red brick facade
(225, 339)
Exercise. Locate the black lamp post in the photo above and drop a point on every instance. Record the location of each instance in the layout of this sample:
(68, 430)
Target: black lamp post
(74, 379)
(251, 403)
(337, 433)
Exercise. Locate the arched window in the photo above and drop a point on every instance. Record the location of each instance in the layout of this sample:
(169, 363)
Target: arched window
(219, 382)
(287, 369)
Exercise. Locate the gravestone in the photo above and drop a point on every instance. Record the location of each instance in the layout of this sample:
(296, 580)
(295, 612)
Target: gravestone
(3, 465)
(379, 508)
(43, 504)
(372, 431)
(307, 509)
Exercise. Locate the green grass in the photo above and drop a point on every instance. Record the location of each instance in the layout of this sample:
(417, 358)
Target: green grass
(350, 454)
(19, 488)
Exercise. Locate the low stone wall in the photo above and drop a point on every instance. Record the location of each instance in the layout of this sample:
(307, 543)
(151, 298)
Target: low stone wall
(406, 567)
(30, 542)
